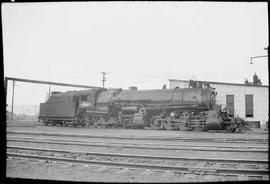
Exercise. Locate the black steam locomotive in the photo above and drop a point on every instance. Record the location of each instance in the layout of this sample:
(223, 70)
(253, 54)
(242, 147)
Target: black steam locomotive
(172, 109)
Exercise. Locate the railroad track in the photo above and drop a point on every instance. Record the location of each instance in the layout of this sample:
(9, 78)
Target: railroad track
(20, 125)
(256, 149)
(178, 164)
(169, 144)
(185, 139)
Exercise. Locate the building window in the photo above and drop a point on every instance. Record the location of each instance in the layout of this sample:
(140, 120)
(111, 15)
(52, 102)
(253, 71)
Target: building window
(249, 106)
(230, 104)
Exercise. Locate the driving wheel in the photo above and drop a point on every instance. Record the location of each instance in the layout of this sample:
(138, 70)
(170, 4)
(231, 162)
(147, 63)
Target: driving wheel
(99, 122)
(156, 123)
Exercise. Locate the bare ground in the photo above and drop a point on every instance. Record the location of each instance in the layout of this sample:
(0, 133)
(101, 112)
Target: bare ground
(18, 168)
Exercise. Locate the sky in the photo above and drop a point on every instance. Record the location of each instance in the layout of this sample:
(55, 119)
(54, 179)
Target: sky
(139, 44)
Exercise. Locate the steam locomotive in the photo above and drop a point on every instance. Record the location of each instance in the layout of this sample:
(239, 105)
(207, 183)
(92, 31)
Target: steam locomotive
(171, 109)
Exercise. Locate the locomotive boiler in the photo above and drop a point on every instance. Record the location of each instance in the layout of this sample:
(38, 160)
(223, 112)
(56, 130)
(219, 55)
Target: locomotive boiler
(172, 109)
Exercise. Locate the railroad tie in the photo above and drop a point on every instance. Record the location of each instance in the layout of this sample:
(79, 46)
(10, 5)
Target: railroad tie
(101, 169)
(167, 173)
(123, 171)
(266, 177)
(242, 177)
(147, 172)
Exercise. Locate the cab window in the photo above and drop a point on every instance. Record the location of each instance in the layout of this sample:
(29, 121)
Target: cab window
(84, 98)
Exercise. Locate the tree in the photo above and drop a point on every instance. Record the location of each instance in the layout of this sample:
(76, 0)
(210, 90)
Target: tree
(246, 82)
(256, 80)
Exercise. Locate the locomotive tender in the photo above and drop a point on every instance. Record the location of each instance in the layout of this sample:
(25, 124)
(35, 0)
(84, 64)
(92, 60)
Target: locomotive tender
(172, 109)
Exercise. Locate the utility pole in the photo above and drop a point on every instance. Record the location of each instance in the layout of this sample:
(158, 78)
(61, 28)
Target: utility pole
(49, 90)
(12, 100)
(35, 111)
(103, 80)
(49, 93)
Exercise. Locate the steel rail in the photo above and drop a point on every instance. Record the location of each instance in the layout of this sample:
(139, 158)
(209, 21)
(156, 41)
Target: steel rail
(222, 160)
(139, 138)
(21, 125)
(144, 166)
(132, 143)
(141, 147)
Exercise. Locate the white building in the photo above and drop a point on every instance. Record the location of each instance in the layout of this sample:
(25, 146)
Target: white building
(249, 102)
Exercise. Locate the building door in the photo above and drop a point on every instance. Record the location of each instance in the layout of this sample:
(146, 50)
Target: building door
(249, 106)
(230, 104)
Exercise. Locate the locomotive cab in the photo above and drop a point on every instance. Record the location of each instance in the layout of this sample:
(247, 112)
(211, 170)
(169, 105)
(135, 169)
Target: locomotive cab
(84, 101)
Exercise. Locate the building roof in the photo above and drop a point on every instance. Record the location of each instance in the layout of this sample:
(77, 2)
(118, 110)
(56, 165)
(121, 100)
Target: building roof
(222, 83)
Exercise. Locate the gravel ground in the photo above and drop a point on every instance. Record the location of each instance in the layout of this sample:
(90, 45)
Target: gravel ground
(17, 168)
(83, 156)
(72, 172)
